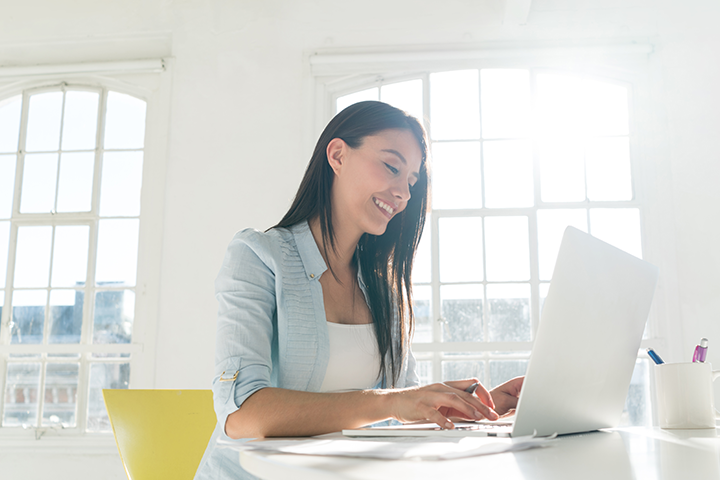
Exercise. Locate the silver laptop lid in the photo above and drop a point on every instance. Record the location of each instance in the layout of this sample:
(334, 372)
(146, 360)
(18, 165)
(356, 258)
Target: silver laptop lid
(588, 338)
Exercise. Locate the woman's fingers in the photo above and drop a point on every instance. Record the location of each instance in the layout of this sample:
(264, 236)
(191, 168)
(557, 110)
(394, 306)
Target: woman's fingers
(437, 402)
(484, 396)
(481, 401)
(437, 417)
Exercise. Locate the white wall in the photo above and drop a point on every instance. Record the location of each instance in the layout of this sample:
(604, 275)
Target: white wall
(242, 123)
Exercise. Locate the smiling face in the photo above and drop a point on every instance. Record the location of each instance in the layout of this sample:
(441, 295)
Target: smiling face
(373, 181)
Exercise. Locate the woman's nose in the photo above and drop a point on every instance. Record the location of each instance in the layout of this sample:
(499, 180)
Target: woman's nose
(401, 191)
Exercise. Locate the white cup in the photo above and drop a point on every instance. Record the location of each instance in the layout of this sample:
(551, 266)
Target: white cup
(685, 395)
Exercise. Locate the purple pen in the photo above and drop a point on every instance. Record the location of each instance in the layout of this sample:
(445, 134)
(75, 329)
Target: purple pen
(701, 351)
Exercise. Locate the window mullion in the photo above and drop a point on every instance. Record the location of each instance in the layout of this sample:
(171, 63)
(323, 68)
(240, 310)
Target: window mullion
(438, 323)
(7, 309)
(20, 165)
(41, 391)
(82, 393)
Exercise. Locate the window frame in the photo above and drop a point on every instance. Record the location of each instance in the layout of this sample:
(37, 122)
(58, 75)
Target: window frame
(337, 73)
(148, 80)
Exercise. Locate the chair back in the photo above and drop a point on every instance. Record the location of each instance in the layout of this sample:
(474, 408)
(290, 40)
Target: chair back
(161, 433)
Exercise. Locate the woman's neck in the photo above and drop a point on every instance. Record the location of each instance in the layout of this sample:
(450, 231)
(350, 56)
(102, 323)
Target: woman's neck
(340, 258)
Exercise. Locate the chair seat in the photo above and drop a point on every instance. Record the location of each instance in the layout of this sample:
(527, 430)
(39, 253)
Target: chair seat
(161, 433)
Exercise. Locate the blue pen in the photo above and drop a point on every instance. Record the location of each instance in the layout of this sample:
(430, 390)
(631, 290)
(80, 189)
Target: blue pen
(655, 357)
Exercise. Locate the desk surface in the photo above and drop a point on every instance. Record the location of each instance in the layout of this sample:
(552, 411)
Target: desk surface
(631, 453)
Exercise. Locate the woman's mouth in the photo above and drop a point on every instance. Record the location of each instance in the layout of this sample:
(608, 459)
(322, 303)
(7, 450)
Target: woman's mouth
(384, 207)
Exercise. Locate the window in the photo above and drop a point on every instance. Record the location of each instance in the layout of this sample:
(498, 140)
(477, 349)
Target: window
(71, 172)
(518, 154)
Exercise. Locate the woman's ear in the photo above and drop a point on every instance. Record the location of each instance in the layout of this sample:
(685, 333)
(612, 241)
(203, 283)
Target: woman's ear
(336, 154)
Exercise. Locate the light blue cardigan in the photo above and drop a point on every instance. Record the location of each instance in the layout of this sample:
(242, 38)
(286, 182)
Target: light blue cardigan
(271, 329)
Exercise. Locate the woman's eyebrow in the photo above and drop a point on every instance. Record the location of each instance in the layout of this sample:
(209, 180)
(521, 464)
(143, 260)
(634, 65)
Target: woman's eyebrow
(395, 152)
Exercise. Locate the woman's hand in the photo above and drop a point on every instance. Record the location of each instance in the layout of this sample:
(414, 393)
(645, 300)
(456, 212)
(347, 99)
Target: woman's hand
(505, 396)
(440, 401)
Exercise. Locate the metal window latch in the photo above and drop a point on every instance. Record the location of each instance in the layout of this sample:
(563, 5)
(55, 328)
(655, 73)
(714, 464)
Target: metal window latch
(231, 379)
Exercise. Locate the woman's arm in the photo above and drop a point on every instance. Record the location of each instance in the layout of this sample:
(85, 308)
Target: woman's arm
(276, 412)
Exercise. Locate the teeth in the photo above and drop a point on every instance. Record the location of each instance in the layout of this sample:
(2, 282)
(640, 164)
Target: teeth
(384, 206)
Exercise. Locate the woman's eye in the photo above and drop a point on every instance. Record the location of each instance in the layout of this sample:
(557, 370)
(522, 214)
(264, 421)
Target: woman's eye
(392, 169)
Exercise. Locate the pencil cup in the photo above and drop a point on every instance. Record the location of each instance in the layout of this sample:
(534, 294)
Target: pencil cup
(685, 395)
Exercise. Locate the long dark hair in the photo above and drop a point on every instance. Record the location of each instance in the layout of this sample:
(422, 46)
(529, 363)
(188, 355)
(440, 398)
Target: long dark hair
(385, 260)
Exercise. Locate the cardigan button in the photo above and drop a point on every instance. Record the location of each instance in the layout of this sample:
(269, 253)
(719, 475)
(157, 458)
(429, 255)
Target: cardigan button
(312, 275)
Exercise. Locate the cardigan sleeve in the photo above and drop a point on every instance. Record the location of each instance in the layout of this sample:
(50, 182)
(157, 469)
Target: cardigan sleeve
(245, 291)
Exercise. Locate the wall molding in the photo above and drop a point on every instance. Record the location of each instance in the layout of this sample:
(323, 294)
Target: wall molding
(153, 65)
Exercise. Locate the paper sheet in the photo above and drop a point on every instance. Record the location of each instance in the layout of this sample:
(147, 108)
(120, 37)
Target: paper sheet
(401, 448)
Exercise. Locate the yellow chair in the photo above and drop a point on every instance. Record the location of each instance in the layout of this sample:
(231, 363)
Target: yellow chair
(161, 433)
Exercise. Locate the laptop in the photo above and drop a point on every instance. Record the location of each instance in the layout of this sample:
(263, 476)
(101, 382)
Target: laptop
(584, 351)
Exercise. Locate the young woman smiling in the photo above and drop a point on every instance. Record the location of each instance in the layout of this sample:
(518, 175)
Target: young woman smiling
(315, 315)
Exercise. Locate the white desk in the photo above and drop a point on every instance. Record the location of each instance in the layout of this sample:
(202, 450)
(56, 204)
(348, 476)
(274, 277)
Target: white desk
(631, 453)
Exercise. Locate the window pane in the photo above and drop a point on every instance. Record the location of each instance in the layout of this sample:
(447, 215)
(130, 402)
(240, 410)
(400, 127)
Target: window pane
(461, 307)
(619, 227)
(76, 182)
(43, 129)
(460, 249)
(38, 184)
(456, 175)
(507, 249)
(454, 105)
(80, 120)
(32, 257)
(544, 287)
(117, 252)
(121, 183)
(607, 108)
(21, 394)
(61, 385)
(406, 96)
(7, 184)
(421, 271)
(114, 314)
(505, 103)
(608, 169)
(28, 319)
(125, 122)
(638, 406)
(2, 302)
(562, 170)
(551, 227)
(503, 370)
(423, 368)
(423, 314)
(361, 96)
(4, 245)
(458, 370)
(104, 375)
(66, 314)
(70, 255)
(509, 313)
(508, 173)
(559, 105)
(10, 110)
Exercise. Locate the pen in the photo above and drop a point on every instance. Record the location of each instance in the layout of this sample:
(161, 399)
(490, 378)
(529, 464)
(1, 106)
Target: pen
(700, 351)
(655, 357)
(472, 388)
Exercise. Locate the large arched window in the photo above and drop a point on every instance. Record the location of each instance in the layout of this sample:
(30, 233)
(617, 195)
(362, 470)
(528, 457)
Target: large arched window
(518, 154)
(71, 174)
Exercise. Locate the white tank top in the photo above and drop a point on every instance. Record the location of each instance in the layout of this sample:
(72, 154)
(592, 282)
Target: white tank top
(354, 358)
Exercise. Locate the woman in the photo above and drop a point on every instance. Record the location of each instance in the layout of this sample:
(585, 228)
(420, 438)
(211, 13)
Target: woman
(315, 315)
